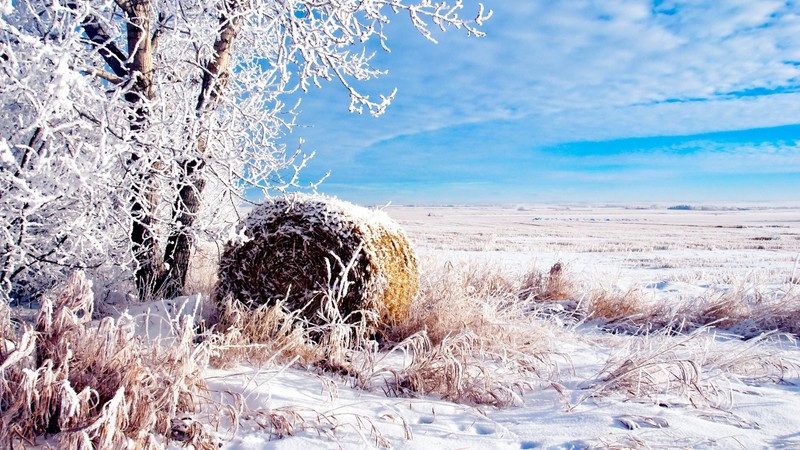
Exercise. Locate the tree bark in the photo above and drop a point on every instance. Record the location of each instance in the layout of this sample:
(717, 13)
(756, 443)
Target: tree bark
(137, 66)
(178, 252)
(186, 206)
(140, 70)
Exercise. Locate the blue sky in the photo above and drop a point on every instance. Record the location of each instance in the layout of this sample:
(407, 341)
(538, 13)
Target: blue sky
(575, 101)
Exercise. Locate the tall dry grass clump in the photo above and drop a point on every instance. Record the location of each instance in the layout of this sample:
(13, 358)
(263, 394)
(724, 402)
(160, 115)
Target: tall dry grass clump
(629, 312)
(469, 338)
(750, 312)
(555, 286)
(760, 359)
(667, 368)
(747, 312)
(272, 334)
(96, 385)
(663, 368)
(268, 333)
(298, 248)
(468, 368)
(480, 299)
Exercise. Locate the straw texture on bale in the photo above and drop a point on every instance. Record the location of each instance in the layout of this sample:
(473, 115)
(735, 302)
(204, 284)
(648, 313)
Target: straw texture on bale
(296, 248)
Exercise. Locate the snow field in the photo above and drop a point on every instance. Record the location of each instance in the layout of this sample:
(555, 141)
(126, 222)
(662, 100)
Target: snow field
(697, 387)
(501, 350)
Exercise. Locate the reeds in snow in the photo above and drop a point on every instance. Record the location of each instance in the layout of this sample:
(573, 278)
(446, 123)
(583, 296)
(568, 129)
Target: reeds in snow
(98, 386)
(661, 367)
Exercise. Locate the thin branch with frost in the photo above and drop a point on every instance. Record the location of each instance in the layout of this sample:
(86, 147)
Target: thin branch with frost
(125, 120)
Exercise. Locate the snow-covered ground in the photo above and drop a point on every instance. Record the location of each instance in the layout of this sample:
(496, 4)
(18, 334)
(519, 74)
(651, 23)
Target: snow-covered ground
(739, 394)
(752, 414)
(633, 246)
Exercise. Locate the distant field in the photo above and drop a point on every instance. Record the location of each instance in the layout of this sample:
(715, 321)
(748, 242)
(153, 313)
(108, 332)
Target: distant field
(628, 247)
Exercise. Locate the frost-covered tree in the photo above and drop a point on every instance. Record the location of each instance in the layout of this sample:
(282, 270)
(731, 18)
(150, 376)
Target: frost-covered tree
(116, 114)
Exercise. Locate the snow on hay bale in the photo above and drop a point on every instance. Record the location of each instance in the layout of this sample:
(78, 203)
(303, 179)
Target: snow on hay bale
(298, 248)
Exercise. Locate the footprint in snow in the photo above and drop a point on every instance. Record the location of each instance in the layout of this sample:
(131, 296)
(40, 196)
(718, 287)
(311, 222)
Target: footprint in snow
(484, 430)
(632, 422)
(477, 428)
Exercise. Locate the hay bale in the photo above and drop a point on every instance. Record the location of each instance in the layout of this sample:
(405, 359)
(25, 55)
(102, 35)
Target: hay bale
(296, 247)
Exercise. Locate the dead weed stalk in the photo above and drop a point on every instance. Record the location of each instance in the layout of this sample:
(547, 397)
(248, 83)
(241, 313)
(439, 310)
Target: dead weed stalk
(97, 386)
(660, 366)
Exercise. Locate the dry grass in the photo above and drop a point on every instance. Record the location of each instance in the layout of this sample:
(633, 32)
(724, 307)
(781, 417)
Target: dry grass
(660, 367)
(462, 369)
(556, 286)
(695, 367)
(97, 386)
(629, 312)
(747, 311)
(470, 338)
(275, 334)
(750, 312)
(476, 298)
(755, 360)
(479, 336)
(474, 335)
(467, 338)
(260, 335)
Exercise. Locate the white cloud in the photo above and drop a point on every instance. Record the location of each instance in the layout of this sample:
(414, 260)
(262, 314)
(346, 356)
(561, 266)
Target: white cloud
(544, 57)
(572, 70)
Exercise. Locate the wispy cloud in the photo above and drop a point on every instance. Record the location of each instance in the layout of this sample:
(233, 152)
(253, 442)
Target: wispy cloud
(569, 71)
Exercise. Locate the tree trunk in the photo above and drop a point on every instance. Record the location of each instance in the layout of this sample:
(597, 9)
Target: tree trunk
(186, 206)
(151, 277)
(181, 242)
(143, 203)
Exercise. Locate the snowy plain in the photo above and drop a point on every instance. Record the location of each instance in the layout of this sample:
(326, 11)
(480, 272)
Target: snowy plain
(666, 255)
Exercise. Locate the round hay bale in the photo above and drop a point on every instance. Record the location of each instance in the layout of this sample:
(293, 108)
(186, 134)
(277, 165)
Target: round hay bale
(297, 247)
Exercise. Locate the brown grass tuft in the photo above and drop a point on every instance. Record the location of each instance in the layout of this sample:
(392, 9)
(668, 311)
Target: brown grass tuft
(658, 366)
(465, 368)
(628, 312)
(468, 338)
(758, 359)
(264, 334)
(750, 312)
(555, 286)
(96, 385)
(272, 334)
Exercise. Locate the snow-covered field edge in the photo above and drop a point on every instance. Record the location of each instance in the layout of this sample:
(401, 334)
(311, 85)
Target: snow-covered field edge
(649, 330)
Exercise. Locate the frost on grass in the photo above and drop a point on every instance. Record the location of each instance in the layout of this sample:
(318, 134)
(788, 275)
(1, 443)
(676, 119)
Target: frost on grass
(503, 344)
(97, 385)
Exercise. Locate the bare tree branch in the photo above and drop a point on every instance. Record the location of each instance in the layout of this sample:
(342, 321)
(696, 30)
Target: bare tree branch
(100, 39)
(215, 76)
(160, 27)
